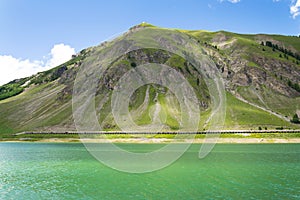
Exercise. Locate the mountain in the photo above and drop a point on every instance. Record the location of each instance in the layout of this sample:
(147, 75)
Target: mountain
(260, 74)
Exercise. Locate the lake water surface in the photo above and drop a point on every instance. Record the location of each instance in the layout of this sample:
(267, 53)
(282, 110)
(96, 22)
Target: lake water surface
(230, 171)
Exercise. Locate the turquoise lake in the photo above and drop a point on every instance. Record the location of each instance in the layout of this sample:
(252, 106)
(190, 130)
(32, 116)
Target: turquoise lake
(230, 171)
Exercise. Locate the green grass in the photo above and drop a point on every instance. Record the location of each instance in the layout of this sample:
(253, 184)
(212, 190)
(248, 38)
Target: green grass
(14, 117)
(288, 41)
(263, 135)
(145, 118)
(277, 102)
(37, 137)
(243, 115)
(170, 110)
(137, 98)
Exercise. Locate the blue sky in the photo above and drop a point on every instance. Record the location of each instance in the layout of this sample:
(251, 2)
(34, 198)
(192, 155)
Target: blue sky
(36, 35)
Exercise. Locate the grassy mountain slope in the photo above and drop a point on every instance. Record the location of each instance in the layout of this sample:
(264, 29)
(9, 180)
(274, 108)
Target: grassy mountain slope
(261, 74)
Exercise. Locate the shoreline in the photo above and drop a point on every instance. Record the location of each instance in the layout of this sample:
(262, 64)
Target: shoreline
(163, 140)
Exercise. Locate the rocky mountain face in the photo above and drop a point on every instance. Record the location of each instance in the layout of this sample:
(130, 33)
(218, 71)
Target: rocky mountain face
(261, 74)
(259, 69)
(255, 65)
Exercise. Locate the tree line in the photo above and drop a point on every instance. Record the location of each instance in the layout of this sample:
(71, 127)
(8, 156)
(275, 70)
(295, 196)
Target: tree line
(286, 52)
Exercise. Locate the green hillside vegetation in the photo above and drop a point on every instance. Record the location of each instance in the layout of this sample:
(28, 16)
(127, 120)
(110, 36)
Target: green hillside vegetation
(10, 90)
(241, 114)
(262, 70)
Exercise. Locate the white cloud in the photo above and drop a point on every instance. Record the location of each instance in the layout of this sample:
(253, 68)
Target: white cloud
(12, 68)
(60, 53)
(294, 9)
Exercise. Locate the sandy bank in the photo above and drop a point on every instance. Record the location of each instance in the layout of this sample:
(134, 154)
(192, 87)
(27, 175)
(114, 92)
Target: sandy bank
(165, 140)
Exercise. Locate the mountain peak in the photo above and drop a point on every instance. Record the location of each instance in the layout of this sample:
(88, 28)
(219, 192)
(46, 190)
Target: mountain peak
(143, 24)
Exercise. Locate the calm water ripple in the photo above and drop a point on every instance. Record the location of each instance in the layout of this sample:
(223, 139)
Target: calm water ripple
(231, 171)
